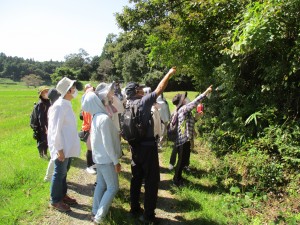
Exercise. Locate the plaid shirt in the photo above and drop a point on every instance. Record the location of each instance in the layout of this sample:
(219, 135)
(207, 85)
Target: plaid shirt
(186, 121)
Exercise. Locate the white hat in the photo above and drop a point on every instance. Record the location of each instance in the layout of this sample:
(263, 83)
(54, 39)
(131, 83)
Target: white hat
(64, 85)
(160, 100)
(103, 89)
(87, 86)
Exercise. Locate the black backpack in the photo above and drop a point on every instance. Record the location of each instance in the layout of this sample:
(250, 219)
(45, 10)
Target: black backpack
(172, 127)
(34, 121)
(131, 126)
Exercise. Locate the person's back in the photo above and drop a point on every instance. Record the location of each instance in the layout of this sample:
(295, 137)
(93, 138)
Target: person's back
(185, 130)
(144, 153)
(163, 109)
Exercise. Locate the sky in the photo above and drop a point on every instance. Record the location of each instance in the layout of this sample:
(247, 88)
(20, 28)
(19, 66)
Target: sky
(46, 30)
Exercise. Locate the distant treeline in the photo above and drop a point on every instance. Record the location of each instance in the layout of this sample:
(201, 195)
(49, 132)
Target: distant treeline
(15, 68)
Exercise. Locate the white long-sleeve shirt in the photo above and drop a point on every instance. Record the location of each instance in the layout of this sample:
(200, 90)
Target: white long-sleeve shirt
(62, 130)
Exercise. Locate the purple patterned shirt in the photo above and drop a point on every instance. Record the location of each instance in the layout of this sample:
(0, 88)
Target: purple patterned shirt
(186, 121)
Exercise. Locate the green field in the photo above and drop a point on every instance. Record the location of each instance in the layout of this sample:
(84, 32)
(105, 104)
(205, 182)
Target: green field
(25, 197)
(22, 191)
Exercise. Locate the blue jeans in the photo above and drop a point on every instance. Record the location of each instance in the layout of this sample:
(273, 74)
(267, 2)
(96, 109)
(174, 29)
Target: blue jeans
(59, 186)
(106, 189)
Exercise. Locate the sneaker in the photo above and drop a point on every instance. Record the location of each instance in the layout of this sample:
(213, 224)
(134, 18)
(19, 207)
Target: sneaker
(70, 201)
(91, 170)
(60, 206)
(171, 167)
(92, 217)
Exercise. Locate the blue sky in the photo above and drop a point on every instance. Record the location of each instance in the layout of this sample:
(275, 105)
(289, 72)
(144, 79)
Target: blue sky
(51, 29)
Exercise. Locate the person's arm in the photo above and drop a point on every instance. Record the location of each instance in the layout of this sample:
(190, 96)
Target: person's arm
(57, 124)
(193, 104)
(164, 82)
(111, 140)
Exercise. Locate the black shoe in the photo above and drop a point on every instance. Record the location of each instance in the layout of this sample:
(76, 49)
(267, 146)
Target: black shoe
(136, 213)
(148, 221)
(178, 183)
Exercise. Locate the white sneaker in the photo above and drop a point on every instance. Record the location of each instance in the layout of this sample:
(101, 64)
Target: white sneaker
(91, 170)
(47, 179)
(171, 167)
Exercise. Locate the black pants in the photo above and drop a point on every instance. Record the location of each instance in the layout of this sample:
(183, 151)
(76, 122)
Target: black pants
(144, 165)
(42, 144)
(174, 156)
(184, 152)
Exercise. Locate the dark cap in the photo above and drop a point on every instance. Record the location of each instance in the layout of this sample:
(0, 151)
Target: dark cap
(53, 95)
(130, 89)
(178, 99)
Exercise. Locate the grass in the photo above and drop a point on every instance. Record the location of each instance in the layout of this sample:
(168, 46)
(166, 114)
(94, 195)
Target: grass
(22, 193)
(25, 198)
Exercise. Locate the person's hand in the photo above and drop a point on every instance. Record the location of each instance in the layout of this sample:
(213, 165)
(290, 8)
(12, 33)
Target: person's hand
(61, 155)
(118, 168)
(208, 90)
(172, 70)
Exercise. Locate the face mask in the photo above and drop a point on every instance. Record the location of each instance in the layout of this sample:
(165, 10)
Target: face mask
(75, 93)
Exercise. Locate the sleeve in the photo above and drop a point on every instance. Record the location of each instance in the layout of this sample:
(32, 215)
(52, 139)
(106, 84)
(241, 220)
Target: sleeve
(193, 104)
(111, 140)
(146, 104)
(57, 135)
(41, 123)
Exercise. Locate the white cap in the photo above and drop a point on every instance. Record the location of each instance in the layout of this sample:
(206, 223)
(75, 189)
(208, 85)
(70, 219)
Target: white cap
(64, 85)
(103, 89)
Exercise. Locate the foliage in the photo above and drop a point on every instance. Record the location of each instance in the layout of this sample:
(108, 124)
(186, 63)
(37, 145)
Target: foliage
(32, 80)
(15, 68)
(247, 48)
(65, 72)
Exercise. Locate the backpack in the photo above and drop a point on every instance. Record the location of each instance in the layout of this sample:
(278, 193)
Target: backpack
(172, 127)
(131, 126)
(34, 121)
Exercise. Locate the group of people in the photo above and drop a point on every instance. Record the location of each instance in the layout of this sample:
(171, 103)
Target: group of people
(101, 110)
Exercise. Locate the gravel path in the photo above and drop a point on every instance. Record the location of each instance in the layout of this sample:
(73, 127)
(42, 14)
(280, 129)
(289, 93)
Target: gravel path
(81, 186)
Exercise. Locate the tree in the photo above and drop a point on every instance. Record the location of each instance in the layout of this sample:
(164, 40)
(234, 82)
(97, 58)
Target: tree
(32, 80)
(79, 62)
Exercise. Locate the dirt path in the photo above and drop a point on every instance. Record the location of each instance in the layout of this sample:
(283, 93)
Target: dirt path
(81, 186)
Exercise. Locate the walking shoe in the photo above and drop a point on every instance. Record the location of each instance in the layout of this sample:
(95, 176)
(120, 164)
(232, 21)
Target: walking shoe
(47, 179)
(171, 167)
(70, 201)
(148, 221)
(187, 168)
(60, 206)
(178, 183)
(91, 170)
(92, 217)
(136, 213)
